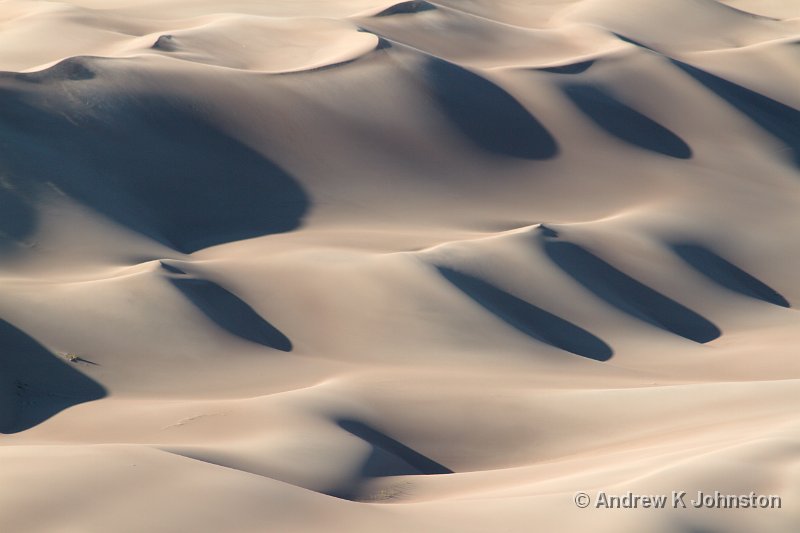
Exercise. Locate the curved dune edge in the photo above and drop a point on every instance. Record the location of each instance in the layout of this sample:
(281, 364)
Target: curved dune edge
(504, 252)
(244, 42)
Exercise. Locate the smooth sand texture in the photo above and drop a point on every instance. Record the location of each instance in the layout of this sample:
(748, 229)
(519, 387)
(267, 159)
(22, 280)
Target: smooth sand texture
(350, 265)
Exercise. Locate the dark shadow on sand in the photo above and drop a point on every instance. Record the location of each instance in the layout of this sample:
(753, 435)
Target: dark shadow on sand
(624, 122)
(573, 68)
(149, 162)
(18, 218)
(407, 8)
(628, 294)
(775, 118)
(486, 114)
(36, 384)
(171, 269)
(635, 43)
(726, 274)
(231, 313)
(530, 319)
(419, 463)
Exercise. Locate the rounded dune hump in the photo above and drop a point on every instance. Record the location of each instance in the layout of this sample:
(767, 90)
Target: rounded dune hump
(775, 9)
(461, 37)
(70, 69)
(267, 45)
(677, 26)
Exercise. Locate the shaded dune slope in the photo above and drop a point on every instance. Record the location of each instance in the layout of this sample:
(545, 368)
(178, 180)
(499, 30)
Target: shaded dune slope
(231, 313)
(726, 274)
(628, 294)
(626, 123)
(486, 114)
(36, 383)
(528, 318)
(406, 8)
(774, 117)
(145, 162)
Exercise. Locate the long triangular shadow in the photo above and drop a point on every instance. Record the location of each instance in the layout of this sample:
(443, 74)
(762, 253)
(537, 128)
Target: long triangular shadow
(726, 274)
(231, 313)
(624, 122)
(528, 318)
(775, 118)
(36, 384)
(628, 294)
(421, 463)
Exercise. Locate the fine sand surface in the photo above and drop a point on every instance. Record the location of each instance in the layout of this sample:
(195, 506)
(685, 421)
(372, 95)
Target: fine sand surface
(355, 265)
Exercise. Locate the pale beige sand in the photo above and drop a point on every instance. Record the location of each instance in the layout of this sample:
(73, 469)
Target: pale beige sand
(350, 265)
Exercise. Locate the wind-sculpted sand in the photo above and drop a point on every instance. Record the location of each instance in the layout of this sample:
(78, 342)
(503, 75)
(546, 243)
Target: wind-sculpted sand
(355, 265)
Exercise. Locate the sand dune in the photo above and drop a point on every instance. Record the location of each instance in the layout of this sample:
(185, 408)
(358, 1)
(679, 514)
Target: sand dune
(363, 265)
